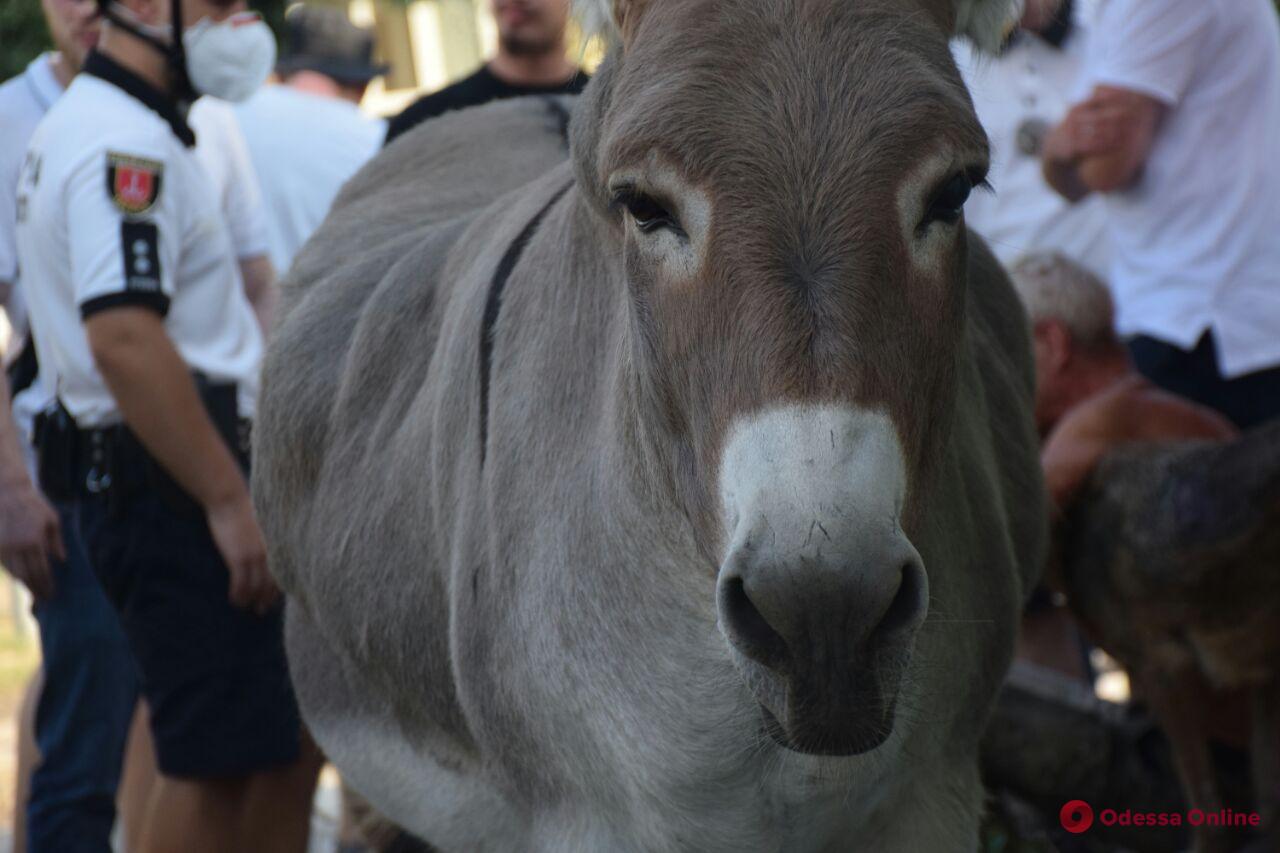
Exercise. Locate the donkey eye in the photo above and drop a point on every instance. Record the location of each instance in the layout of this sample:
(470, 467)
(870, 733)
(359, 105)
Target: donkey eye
(649, 214)
(948, 202)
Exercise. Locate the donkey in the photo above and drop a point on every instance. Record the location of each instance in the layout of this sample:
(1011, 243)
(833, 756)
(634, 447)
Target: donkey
(682, 494)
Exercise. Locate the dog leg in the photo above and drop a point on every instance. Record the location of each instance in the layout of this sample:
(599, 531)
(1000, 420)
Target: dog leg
(1265, 755)
(1175, 698)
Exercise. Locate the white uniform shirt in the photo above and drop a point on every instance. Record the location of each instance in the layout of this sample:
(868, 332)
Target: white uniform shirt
(1019, 95)
(219, 144)
(222, 150)
(304, 148)
(23, 102)
(1197, 239)
(114, 209)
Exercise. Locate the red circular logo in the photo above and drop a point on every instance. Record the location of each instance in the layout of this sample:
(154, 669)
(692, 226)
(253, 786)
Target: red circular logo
(1076, 816)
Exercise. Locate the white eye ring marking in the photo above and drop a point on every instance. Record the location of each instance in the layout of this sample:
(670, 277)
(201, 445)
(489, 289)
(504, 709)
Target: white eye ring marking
(668, 219)
(927, 238)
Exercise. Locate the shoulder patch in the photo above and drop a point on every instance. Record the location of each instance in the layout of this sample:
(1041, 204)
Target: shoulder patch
(133, 182)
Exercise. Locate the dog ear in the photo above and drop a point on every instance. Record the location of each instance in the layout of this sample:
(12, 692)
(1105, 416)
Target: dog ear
(986, 23)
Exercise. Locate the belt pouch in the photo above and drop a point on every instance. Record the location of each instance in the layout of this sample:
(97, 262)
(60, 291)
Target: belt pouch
(56, 462)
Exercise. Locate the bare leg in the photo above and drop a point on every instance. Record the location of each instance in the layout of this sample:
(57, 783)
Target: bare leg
(138, 780)
(195, 816)
(278, 804)
(28, 757)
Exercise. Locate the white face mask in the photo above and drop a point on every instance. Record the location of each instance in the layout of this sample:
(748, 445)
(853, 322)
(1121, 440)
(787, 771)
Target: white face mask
(229, 59)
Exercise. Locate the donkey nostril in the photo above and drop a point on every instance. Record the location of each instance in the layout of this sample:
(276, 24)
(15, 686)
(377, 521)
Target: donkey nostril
(906, 604)
(748, 628)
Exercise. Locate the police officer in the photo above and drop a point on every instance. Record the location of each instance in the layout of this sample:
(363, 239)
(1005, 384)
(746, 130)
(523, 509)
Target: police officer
(144, 331)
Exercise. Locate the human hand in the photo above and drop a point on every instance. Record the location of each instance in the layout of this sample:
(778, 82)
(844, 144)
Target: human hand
(29, 534)
(239, 540)
(1092, 128)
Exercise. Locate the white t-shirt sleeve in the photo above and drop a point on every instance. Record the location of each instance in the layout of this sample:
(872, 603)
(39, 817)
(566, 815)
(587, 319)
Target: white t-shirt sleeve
(10, 163)
(124, 237)
(242, 202)
(1149, 46)
(222, 150)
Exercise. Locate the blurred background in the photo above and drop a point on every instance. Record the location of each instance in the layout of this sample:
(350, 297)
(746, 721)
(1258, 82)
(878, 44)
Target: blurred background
(427, 43)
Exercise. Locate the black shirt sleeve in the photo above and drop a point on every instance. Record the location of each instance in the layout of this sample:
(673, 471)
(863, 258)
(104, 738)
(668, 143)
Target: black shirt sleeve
(480, 88)
(428, 106)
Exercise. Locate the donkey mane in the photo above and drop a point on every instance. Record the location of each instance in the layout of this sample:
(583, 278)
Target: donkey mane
(983, 22)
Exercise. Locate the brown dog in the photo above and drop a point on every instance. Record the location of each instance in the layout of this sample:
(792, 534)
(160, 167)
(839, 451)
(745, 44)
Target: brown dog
(1171, 559)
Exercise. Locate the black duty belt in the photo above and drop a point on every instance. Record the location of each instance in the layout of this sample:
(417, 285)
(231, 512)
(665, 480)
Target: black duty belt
(110, 462)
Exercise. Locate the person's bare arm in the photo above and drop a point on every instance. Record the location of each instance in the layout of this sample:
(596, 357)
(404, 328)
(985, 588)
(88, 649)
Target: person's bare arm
(159, 401)
(1133, 411)
(1068, 457)
(1102, 145)
(1128, 121)
(260, 286)
(1061, 159)
(29, 529)
(1156, 415)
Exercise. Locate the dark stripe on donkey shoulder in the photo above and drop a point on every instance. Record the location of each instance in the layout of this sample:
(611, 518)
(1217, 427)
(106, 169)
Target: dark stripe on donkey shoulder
(493, 305)
(561, 116)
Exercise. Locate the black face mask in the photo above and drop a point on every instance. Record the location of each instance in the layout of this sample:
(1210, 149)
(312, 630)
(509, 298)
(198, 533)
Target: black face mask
(1055, 33)
(1059, 29)
(175, 53)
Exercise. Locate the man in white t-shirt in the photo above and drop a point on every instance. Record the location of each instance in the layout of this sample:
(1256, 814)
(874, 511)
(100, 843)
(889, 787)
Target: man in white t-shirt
(1019, 95)
(221, 149)
(307, 136)
(1179, 129)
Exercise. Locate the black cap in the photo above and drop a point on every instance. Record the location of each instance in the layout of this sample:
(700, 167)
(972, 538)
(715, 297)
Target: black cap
(323, 39)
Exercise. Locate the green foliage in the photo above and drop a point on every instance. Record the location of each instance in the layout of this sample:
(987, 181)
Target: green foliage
(23, 35)
(272, 12)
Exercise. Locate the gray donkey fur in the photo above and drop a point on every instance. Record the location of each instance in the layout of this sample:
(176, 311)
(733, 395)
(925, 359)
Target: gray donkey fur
(527, 645)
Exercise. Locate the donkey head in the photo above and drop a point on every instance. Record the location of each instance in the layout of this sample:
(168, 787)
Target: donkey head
(784, 182)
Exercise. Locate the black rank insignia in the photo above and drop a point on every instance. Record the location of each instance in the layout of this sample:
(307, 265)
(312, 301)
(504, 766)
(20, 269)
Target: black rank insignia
(140, 243)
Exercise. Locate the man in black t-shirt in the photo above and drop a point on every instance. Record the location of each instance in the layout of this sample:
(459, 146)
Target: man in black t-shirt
(531, 60)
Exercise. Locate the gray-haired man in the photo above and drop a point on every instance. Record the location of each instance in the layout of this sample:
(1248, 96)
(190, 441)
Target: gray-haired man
(1089, 399)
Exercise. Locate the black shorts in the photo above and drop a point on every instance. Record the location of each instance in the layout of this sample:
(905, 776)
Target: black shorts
(1247, 400)
(214, 676)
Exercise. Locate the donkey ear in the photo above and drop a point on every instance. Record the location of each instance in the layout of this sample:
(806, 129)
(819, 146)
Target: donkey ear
(627, 13)
(986, 23)
(613, 19)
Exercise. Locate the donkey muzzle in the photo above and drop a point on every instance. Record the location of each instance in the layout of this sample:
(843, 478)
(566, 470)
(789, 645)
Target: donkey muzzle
(820, 593)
